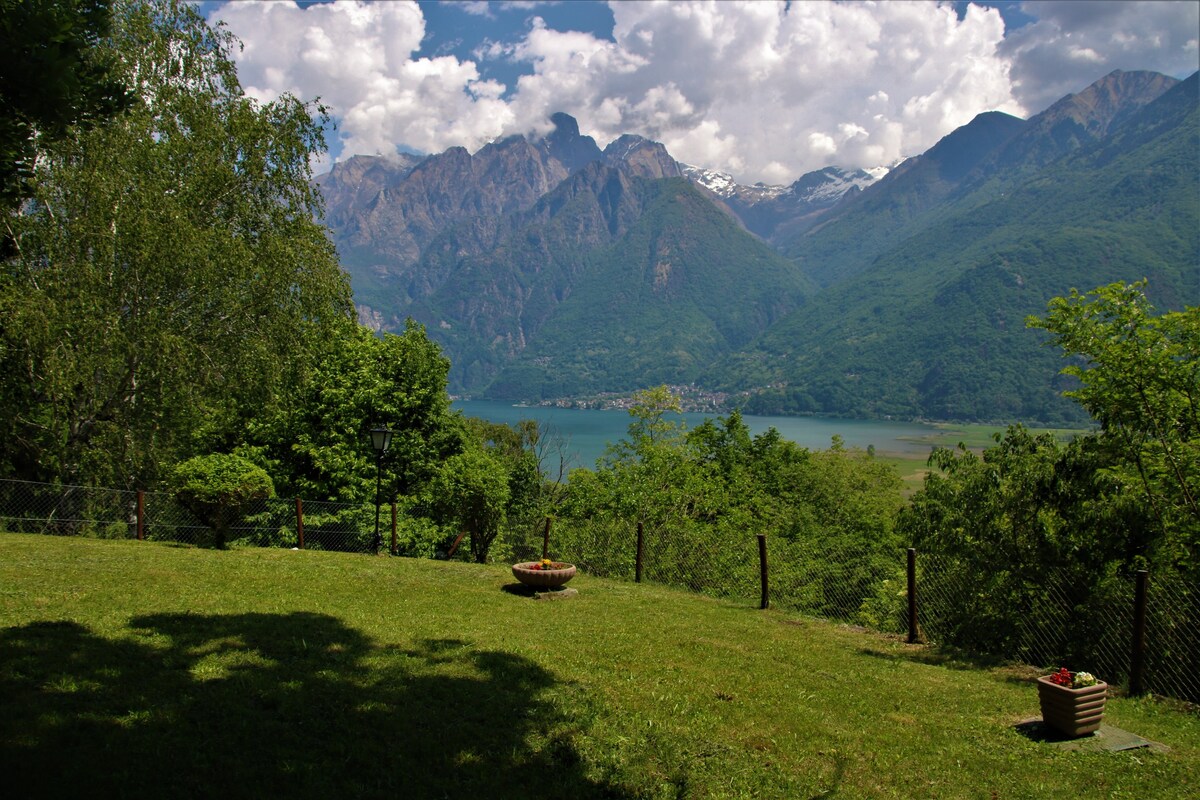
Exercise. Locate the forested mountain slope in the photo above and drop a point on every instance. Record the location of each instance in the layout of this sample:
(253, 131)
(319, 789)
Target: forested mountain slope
(934, 326)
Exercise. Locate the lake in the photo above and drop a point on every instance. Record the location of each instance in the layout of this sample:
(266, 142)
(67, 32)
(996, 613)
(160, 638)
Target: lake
(587, 432)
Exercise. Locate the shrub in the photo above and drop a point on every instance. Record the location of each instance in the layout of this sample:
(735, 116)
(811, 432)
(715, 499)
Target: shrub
(217, 488)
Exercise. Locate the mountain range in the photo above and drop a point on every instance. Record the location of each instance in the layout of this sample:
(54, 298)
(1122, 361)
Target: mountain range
(549, 268)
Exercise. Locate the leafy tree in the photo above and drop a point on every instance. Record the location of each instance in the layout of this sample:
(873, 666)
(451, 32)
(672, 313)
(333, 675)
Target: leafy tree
(704, 493)
(647, 475)
(472, 489)
(53, 76)
(170, 283)
(531, 494)
(217, 488)
(1027, 531)
(1140, 379)
(318, 444)
(1033, 528)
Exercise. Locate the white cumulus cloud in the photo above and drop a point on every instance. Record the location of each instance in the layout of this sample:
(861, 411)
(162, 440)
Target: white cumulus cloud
(763, 90)
(768, 91)
(360, 58)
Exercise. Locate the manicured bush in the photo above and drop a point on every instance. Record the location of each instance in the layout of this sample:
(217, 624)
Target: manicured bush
(218, 487)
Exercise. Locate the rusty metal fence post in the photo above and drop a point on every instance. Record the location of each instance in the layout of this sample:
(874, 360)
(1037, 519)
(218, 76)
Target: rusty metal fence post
(299, 523)
(637, 567)
(1137, 660)
(762, 570)
(141, 515)
(913, 634)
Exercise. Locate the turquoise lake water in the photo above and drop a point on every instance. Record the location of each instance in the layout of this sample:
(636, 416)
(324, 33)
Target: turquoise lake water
(587, 433)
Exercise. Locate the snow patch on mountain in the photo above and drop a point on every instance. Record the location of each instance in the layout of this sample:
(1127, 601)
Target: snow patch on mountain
(718, 183)
(821, 186)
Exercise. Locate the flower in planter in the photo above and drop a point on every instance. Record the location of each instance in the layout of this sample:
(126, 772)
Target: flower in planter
(1083, 679)
(1072, 680)
(546, 563)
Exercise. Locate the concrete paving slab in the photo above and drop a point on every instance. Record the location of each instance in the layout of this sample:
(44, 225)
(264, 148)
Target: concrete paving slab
(1108, 738)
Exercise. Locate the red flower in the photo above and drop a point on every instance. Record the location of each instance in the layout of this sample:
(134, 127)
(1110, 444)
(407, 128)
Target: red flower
(1062, 677)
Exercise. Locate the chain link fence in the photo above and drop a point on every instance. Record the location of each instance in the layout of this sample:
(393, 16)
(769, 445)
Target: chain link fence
(1057, 617)
(28, 507)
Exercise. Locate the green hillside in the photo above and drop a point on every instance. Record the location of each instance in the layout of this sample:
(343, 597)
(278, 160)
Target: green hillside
(139, 669)
(901, 205)
(934, 327)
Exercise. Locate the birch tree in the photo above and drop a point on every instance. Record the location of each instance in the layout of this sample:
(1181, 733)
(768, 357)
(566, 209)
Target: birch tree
(169, 279)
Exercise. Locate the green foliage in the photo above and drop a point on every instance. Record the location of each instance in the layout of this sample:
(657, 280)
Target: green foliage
(170, 284)
(318, 445)
(420, 537)
(1140, 378)
(220, 479)
(703, 494)
(218, 487)
(1036, 528)
(1006, 521)
(472, 489)
(521, 450)
(53, 75)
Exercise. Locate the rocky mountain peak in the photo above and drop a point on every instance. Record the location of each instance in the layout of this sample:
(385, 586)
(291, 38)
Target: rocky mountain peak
(642, 157)
(354, 183)
(1081, 118)
(1107, 101)
(567, 145)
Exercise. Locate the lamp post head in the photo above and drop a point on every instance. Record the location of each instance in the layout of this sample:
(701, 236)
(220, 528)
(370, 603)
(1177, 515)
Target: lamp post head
(381, 438)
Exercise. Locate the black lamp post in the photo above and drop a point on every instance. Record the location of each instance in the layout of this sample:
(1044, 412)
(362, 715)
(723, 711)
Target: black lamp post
(380, 439)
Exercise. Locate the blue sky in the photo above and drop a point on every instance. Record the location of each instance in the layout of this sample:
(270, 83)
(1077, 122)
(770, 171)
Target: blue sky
(763, 90)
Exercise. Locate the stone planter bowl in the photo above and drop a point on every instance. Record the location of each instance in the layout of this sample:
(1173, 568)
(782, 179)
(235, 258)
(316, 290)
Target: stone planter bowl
(542, 578)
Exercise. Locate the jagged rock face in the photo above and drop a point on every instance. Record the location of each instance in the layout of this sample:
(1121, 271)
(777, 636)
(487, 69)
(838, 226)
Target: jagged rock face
(352, 185)
(601, 203)
(486, 249)
(386, 212)
(642, 157)
(410, 210)
(1106, 102)
(565, 144)
(501, 293)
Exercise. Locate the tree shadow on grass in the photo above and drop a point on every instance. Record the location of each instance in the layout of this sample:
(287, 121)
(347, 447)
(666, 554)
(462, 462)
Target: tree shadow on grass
(937, 655)
(258, 705)
(954, 658)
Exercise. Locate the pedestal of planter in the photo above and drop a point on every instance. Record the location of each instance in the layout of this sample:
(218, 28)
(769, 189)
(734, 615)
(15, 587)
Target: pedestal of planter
(1072, 712)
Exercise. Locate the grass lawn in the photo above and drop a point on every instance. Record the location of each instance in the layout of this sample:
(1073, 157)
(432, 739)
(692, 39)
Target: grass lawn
(146, 670)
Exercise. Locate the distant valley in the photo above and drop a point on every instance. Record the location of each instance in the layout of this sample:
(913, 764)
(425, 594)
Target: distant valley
(552, 269)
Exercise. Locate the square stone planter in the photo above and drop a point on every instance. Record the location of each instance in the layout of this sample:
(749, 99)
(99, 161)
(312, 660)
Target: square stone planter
(1072, 712)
